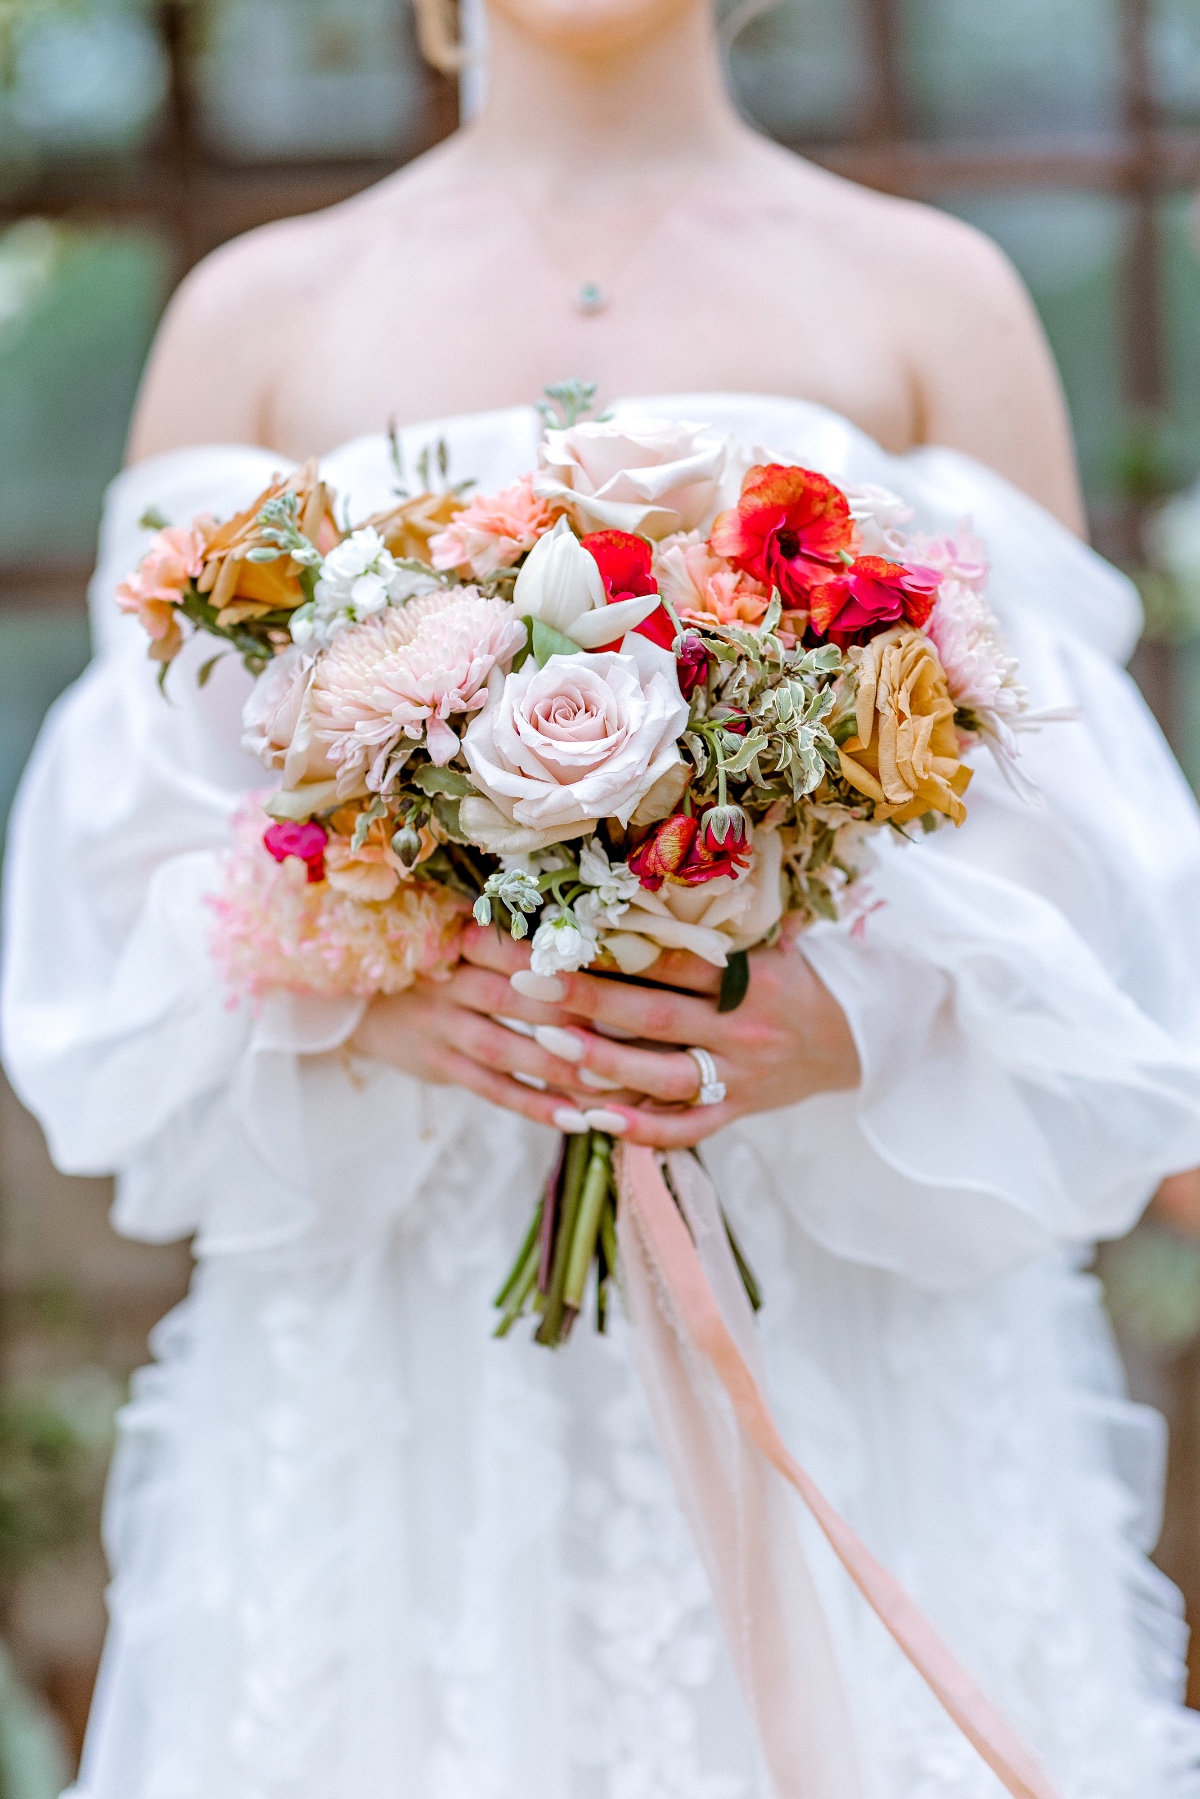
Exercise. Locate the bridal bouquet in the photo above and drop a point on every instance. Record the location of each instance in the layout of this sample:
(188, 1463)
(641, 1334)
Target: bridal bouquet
(654, 695)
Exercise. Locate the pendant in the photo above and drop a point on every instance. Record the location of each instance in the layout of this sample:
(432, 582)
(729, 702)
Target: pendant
(590, 298)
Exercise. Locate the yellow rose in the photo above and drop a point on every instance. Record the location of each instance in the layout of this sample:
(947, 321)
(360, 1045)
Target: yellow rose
(240, 589)
(905, 754)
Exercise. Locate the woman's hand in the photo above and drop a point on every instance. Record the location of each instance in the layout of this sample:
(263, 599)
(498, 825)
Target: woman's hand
(445, 1032)
(787, 1040)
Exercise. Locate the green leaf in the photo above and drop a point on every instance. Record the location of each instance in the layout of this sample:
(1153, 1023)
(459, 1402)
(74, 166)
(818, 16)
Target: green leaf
(206, 668)
(442, 780)
(735, 981)
(548, 642)
(446, 812)
(363, 824)
(153, 520)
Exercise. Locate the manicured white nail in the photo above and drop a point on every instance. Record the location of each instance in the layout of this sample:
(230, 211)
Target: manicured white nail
(537, 986)
(519, 1026)
(573, 1122)
(612, 1122)
(599, 1083)
(560, 1043)
(529, 1080)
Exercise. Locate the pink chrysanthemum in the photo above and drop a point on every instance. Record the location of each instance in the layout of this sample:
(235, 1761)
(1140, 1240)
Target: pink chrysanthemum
(405, 673)
(493, 530)
(276, 929)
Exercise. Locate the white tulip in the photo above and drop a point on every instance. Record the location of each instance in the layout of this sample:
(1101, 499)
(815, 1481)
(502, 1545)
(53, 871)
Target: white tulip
(559, 581)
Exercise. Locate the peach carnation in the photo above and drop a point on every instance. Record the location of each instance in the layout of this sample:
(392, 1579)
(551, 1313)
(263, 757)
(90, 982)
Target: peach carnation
(493, 530)
(153, 592)
(405, 673)
(704, 587)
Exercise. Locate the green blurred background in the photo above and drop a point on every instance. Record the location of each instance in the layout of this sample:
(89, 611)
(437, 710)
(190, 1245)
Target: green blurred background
(135, 137)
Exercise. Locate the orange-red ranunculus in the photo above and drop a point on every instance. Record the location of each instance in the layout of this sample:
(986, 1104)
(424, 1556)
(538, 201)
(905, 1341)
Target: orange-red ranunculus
(790, 529)
(872, 596)
(624, 563)
(676, 850)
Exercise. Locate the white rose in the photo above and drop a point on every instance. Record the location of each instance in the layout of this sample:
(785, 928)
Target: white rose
(560, 584)
(646, 476)
(558, 748)
(713, 918)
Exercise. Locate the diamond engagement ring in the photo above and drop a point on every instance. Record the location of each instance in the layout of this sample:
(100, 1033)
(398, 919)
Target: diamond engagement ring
(712, 1090)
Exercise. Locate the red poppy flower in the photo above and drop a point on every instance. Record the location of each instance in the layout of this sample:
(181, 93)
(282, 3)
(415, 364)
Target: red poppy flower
(788, 529)
(624, 563)
(305, 842)
(676, 851)
(870, 597)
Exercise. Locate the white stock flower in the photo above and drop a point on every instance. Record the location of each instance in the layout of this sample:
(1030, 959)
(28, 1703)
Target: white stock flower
(613, 883)
(563, 943)
(358, 580)
(645, 475)
(879, 514)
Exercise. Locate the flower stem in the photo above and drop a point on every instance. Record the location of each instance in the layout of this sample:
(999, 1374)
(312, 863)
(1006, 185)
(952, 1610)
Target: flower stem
(520, 1289)
(578, 1150)
(518, 1267)
(587, 1227)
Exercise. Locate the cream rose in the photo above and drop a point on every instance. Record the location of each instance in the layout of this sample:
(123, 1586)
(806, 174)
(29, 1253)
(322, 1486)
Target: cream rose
(711, 919)
(646, 476)
(277, 727)
(583, 738)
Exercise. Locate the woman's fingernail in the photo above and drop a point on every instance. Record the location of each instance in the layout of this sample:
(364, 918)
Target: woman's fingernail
(529, 1080)
(537, 986)
(518, 1025)
(612, 1122)
(572, 1122)
(559, 1043)
(599, 1083)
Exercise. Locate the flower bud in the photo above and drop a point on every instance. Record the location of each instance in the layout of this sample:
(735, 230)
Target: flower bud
(724, 828)
(691, 663)
(665, 850)
(407, 845)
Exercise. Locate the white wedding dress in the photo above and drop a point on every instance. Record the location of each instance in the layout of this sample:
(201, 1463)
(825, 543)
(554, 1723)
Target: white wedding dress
(361, 1550)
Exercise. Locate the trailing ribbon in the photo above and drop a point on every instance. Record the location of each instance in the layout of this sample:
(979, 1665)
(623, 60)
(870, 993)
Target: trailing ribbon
(693, 1331)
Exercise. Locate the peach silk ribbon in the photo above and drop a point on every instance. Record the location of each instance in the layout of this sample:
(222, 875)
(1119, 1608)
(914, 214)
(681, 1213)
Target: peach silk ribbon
(698, 1357)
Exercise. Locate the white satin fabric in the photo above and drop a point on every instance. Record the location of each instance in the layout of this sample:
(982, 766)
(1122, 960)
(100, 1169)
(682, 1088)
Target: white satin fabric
(363, 1552)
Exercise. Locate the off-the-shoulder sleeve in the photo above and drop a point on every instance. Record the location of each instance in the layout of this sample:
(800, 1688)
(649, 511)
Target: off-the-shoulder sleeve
(117, 1031)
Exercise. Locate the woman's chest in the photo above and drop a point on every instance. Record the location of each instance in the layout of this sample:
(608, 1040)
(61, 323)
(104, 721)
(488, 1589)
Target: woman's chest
(432, 331)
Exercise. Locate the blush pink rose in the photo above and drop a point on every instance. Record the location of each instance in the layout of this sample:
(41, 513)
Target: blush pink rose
(493, 530)
(581, 739)
(647, 476)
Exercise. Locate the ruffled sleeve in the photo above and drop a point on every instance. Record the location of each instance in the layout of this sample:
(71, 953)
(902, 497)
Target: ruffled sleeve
(117, 1031)
(1024, 992)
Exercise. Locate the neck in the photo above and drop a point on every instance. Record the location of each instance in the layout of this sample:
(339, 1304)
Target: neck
(605, 124)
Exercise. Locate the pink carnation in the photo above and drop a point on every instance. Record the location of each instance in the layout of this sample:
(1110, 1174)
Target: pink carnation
(157, 585)
(961, 558)
(405, 673)
(276, 929)
(493, 530)
(704, 587)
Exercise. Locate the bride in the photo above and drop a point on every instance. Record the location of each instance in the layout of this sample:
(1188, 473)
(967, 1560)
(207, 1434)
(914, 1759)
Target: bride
(362, 1551)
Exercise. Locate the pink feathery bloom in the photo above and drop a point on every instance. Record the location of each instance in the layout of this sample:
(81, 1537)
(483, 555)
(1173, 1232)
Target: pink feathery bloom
(493, 530)
(981, 675)
(704, 587)
(276, 929)
(153, 592)
(406, 672)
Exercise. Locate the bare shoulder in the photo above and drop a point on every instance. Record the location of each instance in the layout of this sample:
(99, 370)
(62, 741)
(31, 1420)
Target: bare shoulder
(982, 375)
(227, 334)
